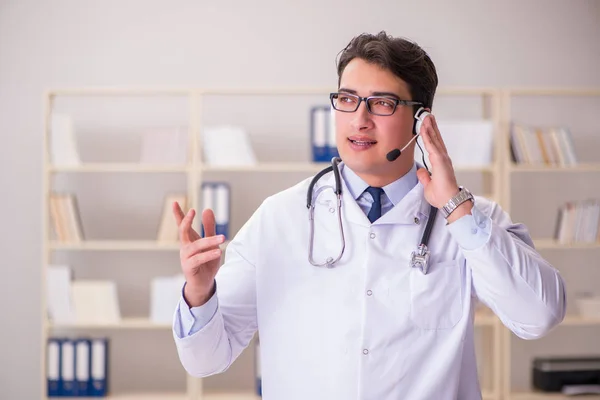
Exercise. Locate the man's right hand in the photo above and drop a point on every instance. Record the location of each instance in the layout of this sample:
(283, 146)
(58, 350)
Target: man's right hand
(200, 257)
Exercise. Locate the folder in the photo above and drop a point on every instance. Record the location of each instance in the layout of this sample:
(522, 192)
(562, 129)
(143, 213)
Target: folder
(257, 368)
(83, 356)
(99, 367)
(67, 367)
(53, 367)
(217, 197)
(331, 142)
(318, 129)
(322, 126)
(223, 207)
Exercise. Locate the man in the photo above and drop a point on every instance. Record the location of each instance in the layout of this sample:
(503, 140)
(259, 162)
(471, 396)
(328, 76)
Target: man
(372, 326)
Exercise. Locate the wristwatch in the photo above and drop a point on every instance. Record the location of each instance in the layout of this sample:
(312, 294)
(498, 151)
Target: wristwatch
(462, 196)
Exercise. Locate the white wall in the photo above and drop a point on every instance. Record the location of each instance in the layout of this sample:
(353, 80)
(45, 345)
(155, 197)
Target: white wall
(192, 43)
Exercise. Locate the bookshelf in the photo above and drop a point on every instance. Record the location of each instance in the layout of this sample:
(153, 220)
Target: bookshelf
(549, 186)
(280, 172)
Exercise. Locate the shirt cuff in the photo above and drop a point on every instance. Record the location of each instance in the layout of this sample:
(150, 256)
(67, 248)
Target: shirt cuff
(193, 319)
(471, 231)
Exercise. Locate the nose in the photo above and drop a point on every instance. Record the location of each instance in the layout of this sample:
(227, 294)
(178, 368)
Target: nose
(361, 118)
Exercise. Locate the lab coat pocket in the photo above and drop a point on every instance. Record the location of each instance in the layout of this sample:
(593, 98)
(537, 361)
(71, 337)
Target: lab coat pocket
(436, 300)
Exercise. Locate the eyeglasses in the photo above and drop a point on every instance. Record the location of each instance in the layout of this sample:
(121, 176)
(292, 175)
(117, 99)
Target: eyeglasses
(377, 105)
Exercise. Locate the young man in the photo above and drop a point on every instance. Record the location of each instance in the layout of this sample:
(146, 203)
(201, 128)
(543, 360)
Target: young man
(372, 326)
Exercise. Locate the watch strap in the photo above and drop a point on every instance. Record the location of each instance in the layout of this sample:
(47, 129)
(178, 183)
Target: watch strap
(462, 196)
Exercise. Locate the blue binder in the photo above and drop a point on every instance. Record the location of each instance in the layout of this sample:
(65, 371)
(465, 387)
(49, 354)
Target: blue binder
(257, 368)
(322, 128)
(53, 365)
(99, 368)
(217, 197)
(83, 365)
(67, 368)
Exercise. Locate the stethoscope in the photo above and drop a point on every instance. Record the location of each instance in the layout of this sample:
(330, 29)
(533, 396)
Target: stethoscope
(419, 258)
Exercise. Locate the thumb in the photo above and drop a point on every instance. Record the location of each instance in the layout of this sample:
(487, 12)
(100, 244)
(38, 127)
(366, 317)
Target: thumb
(208, 221)
(423, 176)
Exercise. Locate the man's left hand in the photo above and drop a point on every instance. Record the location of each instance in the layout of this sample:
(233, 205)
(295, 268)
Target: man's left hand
(441, 186)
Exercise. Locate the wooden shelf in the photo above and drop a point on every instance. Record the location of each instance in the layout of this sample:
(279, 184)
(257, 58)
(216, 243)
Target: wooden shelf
(579, 320)
(134, 396)
(555, 244)
(305, 166)
(546, 396)
(557, 91)
(586, 167)
(126, 323)
(115, 245)
(120, 167)
(230, 396)
(269, 167)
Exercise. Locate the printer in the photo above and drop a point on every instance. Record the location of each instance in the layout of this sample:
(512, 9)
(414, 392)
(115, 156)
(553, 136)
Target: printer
(567, 375)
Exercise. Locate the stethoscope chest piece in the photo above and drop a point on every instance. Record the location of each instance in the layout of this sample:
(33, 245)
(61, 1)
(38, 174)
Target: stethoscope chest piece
(420, 259)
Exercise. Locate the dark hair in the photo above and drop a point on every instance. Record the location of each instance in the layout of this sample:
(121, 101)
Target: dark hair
(402, 57)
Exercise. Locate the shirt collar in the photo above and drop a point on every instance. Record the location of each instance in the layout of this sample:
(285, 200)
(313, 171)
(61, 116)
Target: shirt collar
(395, 191)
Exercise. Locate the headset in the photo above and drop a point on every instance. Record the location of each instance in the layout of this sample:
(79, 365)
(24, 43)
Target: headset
(420, 115)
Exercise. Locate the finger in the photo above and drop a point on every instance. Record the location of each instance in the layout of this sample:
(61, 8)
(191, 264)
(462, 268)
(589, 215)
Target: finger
(426, 135)
(186, 226)
(430, 131)
(200, 259)
(208, 221)
(202, 245)
(423, 177)
(437, 135)
(178, 213)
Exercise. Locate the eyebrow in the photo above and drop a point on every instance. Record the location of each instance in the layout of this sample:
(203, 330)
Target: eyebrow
(384, 94)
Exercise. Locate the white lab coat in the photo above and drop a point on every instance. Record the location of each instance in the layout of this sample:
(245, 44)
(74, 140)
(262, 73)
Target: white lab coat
(372, 328)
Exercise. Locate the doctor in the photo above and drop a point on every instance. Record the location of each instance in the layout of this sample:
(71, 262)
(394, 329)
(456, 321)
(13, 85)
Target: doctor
(371, 326)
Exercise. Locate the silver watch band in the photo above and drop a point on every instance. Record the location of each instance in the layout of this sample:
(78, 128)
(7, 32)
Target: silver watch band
(462, 196)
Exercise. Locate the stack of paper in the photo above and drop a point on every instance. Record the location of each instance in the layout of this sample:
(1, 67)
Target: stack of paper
(165, 294)
(470, 143)
(96, 302)
(227, 146)
(63, 145)
(168, 231)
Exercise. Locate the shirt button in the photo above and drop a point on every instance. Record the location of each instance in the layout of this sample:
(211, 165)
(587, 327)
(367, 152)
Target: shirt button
(372, 235)
(369, 292)
(365, 351)
(417, 220)
(332, 210)
(474, 231)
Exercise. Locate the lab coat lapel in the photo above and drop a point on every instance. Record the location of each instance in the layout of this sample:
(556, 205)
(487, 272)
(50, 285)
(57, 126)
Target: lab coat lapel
(412, 206)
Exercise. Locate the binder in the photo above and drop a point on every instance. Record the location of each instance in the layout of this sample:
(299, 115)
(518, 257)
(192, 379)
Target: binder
(99, 368)
(322, 127)
(318, 129)
(83, 365)
(257, 367)
(53, 366)
(223, 206)
(217, 197)
(207, 202)
(67, 368)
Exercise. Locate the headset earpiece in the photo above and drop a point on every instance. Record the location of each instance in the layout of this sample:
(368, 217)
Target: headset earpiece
(419, 117)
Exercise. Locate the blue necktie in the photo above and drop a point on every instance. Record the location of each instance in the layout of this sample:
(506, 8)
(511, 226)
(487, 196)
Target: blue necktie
(375, 211)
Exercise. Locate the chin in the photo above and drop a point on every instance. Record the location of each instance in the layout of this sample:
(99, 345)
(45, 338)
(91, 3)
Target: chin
(362, 164)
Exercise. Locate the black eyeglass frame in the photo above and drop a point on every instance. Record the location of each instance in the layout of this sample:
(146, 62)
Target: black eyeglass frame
(397, 102)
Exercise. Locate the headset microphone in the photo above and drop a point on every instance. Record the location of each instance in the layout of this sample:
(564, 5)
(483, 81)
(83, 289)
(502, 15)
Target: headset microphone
(419, 116)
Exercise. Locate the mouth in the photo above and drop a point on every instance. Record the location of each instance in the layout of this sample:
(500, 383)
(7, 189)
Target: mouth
(361, 143)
